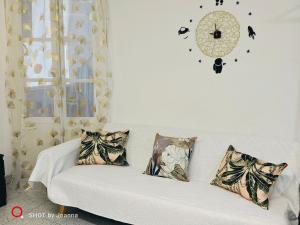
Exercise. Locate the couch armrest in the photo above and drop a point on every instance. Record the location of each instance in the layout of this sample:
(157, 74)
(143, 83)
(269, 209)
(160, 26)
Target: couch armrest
(53, 161)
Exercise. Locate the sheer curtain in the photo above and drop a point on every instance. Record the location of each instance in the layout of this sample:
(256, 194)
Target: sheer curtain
(58, 77)
(4, 126)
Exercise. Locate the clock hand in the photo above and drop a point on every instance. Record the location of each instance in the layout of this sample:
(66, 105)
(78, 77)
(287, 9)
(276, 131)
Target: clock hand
(215, 30)
(217, 34)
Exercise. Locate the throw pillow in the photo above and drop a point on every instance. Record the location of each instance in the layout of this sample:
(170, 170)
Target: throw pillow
(171, 157)
(103, 148)
(248, 176)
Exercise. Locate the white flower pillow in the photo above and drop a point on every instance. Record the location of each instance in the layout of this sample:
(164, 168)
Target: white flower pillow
(171, 157)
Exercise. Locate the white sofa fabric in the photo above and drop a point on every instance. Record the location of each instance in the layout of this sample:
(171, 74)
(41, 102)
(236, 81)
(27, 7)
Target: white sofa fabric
(127, 195)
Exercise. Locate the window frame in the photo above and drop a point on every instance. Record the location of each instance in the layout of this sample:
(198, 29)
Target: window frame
(61, 111)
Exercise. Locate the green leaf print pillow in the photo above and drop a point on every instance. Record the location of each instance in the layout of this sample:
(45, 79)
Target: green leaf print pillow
(103, 148)
(248, 176)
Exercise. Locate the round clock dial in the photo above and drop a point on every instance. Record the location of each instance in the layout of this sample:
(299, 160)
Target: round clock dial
(217, 34)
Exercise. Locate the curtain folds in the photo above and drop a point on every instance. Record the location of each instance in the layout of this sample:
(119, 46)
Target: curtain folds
(4, 126)
(58, 77)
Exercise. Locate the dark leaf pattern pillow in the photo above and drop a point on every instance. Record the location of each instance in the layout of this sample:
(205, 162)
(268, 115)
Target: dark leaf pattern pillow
(248, 176)
(103, 148)
(171, 157)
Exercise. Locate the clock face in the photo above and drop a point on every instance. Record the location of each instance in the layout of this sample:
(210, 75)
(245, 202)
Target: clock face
(217, 34)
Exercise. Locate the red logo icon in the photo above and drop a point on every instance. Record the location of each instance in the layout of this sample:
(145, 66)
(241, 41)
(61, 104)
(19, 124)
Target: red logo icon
(17, 211)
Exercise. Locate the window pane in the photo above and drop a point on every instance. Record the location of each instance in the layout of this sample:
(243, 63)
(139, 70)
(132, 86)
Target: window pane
(38, 60)
(80, 99)
(78, 61)
(78, 34)
(36, 19)
(77, 17)
(39, 99)
(78, 58)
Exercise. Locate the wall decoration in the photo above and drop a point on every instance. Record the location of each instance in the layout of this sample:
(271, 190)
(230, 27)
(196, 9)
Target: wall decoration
(219, 2)
(224, 34)
(217, 34)
(251, 32)
(218, 66)
(184, 31)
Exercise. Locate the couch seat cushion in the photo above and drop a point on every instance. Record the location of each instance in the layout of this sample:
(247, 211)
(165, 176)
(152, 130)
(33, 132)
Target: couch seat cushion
(125, 194)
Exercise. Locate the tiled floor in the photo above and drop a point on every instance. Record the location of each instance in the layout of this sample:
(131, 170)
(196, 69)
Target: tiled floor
(35, 202)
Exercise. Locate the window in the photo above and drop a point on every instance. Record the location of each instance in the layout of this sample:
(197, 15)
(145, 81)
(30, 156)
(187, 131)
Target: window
(50, 62)
(78, 58)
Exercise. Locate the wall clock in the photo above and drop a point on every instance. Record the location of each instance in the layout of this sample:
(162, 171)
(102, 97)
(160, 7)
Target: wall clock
(217, 33)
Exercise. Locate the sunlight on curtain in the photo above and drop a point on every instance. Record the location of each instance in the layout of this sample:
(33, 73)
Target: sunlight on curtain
(58, 77)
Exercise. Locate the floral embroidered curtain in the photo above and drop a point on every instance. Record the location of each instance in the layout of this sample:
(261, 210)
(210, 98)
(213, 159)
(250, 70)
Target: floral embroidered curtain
(58, 77)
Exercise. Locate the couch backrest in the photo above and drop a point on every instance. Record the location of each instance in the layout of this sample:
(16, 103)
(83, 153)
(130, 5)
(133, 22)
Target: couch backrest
(209, 149)
(141, 140)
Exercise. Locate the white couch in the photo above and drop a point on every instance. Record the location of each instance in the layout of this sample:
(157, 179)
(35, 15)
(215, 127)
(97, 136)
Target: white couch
(127, 195)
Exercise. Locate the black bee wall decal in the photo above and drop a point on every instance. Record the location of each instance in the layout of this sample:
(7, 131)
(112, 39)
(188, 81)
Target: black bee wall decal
(251, 32)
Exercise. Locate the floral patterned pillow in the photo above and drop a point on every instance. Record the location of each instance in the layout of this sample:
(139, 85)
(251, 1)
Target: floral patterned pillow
(103, 148)
(248, 176)
(171, 157)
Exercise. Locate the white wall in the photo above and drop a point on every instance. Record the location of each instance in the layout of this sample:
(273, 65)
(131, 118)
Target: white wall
(4, 126)
(157, 80)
